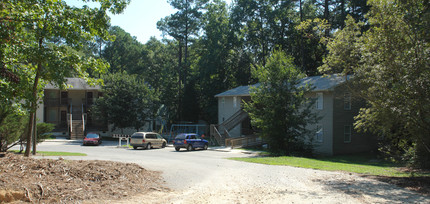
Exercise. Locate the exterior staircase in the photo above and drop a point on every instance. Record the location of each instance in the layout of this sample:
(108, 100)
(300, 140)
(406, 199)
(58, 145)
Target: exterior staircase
(221, 132)
(77, 130)
(234, 120)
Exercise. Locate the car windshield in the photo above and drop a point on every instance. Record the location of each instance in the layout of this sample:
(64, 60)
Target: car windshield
(91, 135)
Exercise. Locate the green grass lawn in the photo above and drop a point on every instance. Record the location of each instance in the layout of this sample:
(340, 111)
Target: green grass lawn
(362, 164)
(44, 153)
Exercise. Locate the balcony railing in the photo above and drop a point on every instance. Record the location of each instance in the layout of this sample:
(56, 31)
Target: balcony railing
(51, 101)
(57, 101)
(66, 101)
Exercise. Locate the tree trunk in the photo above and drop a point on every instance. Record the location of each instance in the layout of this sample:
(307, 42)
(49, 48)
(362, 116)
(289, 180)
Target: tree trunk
(186, 42)
(34, 132)
(29, 133)
(302, 52)
(342, 13)
(33, 105)
(326, 16)
(180, 80)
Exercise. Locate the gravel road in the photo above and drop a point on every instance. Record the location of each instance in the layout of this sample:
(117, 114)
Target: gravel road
(208, 177)
(239, 182)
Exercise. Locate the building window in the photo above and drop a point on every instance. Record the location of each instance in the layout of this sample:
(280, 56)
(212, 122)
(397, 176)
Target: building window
(347, 133)
(235, 101)
(52, 115)
(319, 134)
(320, 101)
(347, 101)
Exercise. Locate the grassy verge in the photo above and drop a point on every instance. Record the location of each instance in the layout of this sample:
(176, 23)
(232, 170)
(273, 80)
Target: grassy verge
(45, 153)
(127, 146)
(362, 164)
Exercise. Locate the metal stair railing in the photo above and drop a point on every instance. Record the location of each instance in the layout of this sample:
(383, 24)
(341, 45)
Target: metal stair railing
(234, 120)
(216, 134)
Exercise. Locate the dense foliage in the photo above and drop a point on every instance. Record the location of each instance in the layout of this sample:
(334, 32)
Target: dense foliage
(392, 66)
(40, 44)
(279, 107)
(12, 128)
(127, 101)
(213, 46)
(43, 131)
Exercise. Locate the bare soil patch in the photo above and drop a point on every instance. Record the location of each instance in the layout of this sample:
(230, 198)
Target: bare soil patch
(24, 179)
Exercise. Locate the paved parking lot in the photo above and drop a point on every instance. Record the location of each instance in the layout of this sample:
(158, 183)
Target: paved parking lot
(207, 176)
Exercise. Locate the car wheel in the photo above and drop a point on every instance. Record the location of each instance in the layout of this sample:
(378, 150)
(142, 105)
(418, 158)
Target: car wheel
(134, 147)
(148, 146)
(189, 147)
(177, 149)
(164, 145)
(205, 147)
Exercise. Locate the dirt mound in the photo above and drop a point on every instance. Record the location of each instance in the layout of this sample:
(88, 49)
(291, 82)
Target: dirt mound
(56, 181)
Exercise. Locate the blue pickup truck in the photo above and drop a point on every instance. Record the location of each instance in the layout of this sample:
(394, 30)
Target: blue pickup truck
(189, 141)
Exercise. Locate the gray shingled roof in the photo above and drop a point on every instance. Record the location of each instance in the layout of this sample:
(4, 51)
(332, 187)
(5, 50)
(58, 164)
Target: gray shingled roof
(238, 91)
(77, 84)
(320, 83)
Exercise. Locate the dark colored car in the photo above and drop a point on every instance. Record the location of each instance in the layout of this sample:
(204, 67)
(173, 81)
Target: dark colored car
(189, 141)
(92, 138)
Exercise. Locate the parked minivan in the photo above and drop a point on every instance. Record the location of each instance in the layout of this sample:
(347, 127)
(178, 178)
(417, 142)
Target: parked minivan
(147, 140)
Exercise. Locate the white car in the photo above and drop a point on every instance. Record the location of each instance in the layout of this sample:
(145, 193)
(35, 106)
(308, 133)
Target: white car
(147, 140)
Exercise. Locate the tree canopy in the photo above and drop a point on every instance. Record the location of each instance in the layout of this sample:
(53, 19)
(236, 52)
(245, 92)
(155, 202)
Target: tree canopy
(279, 107)
(40, 45)
(214, 47)
(390, 62)
(127, 101)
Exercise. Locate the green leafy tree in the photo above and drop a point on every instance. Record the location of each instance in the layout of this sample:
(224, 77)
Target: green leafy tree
(125, 53)
(215, 73)
(391, 64)
(184, 27)
(344, 49)
(254, 18)
(127, 101)
(160, 72)
(44, 40)
(279, 107)
(262, 26)
(12, 127)
(43, 131)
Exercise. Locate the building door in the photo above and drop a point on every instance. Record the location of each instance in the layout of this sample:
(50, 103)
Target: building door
(63, 117)
(90, 98)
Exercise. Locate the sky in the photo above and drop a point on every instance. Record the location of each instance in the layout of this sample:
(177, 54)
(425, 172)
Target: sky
(139, 18)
